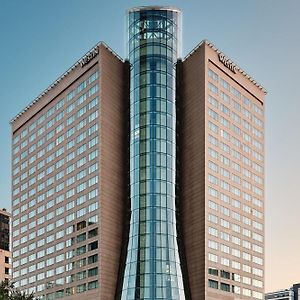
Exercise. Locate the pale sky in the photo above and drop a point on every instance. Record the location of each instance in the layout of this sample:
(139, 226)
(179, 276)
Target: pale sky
(40, 40)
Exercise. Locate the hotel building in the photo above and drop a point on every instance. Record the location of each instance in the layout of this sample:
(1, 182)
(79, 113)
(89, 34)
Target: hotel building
(5, 254)
(68, 182)
(221, 189)
(142, 179)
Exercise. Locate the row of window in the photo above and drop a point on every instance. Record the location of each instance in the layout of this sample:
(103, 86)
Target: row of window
(234, 289)
(58, 271)
(62, 292)
(68, 170)
(34, 245)
(225, 185)
(229, 237)
(71, 143)
(235, 253)
(58, 223)
(237, 179)
(59, 105)
(243, 194)
(226, 211)
(235, 277)
(60, 210)
(235, 131)
(50, 181)
(68, 182)
(236, 118)
(233, 214)
(237, 94)
(52, 214)
(216, 140)
(237, 228)
(51, 238)
(56, 133)
(229, 162)
(68, 267)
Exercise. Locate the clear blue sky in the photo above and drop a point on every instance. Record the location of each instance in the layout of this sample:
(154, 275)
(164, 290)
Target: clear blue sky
(39, 40)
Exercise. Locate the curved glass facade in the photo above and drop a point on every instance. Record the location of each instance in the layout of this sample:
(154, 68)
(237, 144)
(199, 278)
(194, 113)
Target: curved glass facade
(152, 269)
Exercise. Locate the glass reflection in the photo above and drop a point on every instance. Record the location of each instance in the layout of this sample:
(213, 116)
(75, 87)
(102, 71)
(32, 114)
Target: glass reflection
(152, 268)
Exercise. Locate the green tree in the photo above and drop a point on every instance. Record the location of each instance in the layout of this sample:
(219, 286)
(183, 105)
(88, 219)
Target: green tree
(9, 292)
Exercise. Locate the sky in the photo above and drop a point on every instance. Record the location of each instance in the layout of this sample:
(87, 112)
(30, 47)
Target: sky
(40, 40)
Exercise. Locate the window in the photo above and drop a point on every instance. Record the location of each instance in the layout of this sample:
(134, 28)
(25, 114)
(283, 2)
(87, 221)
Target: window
(225, 274)
(93, 232)
(257, 272)
(225, 249)
(213, 88)
(213, 218)
(58, 294)
(213, 205)
(213, 231)
(81, 288)
(247, 292)
(81, 225)
(213, 284)
(213, 166)
(92, 246)
(236, 265)
(93, 285)
(212, 257)
(225, 287)
(247, 268)
(213, 244)
(81, 237)
(81, 275)
(214, 76)
(213, 114)
(81, 86)
(93, 220)
(213, 271)
(81, 263)
(81, 250)
(93, 90)
(93, 272)
(213, 101)
(92, 259)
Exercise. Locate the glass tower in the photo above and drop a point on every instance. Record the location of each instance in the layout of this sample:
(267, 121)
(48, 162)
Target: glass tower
(153, 269)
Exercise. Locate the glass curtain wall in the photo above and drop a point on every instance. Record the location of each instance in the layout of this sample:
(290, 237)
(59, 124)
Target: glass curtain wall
(153, 268)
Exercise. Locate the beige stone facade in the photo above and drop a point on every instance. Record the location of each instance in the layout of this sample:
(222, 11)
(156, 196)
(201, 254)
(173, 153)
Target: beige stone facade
(222, 174)
(68, 183)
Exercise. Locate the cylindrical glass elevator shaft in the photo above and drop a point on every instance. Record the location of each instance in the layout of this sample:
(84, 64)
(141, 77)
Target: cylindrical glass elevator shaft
(152, 269)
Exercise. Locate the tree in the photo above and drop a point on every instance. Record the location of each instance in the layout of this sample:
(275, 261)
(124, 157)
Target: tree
(9, 292)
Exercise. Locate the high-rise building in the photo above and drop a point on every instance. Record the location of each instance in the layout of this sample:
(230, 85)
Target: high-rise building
(292, 293)
(5, 254)
(221, 170)
(142, 179)
(68, 182)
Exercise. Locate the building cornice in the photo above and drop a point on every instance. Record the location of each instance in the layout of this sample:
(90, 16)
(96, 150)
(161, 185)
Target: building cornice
(237, 68)
(145, 8)
(55, 83)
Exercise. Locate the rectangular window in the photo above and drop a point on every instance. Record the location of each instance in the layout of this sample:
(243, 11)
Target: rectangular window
(213, 284)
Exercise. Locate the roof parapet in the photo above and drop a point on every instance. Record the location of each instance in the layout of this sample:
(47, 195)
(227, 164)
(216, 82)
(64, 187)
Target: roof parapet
(237, 68)
(78, 62)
